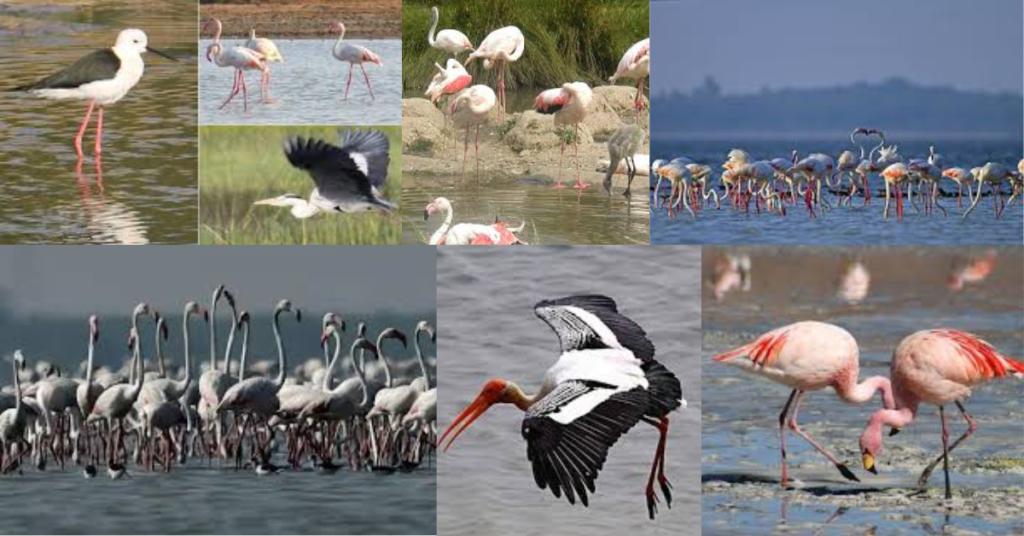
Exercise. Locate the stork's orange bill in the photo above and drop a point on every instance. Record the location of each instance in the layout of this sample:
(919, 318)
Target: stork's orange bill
(489, 395)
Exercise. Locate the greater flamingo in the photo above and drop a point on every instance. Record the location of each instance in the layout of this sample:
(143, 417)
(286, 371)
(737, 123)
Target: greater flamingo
(452, 41)
(354, 55)
(960, 176)
(270, 53)
(449, 80)
(470, 109)
(241, 59)
(809, 356)
(164, 389)
(636, 64)
(895, 175)
(13, 421)
(467, 233)
(569, 104)
(938, 366)
(500, 47)
(993, 174)
(423, 327)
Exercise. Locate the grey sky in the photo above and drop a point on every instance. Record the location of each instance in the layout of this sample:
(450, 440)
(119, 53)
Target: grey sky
(73, 280)
(749, 44)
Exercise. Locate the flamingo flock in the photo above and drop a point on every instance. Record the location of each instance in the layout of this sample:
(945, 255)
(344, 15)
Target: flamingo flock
(257, 53)
(470, 105)
(935, 366)
(773, 184)
(245, 416)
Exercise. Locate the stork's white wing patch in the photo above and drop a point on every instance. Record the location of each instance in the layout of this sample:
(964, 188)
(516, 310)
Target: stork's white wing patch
(581, 405)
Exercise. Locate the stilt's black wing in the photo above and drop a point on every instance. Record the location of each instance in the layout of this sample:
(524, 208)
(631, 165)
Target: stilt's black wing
(100, 65)
(599, 326)
(569, 432)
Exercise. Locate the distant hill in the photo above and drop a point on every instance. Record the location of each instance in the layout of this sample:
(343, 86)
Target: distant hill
(895, 105)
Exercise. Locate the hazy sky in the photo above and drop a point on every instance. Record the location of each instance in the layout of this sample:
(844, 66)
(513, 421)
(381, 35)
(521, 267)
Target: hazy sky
(749, 44)
(71, 280)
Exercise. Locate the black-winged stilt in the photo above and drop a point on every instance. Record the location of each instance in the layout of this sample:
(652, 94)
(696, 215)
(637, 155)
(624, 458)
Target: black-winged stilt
(102, 77)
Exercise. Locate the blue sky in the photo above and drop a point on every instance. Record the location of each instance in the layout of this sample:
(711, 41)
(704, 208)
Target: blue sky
(750, 44)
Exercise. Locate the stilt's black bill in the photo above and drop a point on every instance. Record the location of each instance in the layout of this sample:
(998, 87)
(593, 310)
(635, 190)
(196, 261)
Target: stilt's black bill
(158, 53)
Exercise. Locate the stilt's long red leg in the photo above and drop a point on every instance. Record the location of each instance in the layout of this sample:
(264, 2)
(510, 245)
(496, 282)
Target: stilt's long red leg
(99, 132)
(81, 129)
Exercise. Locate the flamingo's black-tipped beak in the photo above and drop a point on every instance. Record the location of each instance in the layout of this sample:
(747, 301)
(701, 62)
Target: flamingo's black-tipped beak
(893, 431)
(869, 463)
(162, 54)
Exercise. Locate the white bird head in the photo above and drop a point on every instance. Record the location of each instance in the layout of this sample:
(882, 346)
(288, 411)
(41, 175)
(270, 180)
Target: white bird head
(135, 42)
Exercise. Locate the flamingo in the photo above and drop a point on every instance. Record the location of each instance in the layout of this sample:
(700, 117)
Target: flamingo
(354, 55)
(467, 233)
(500, 47)
(270, 53)
(569, 104)
(449, 80)
(895, 175)
(937, 366)
(679, 175)
(604, 383)
(451, 41)
(164, 389)
(214, 382)
(635, 64)
(992, 173)
(13, 421)
(241, 59)
(423, 383)
(932, 174)
(854, 283)
(809, 356)
(470, 109)
(88, 391)
(972, 271)
(960, 176)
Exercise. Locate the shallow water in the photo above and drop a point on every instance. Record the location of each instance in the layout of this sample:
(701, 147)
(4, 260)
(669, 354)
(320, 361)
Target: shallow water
(145, 190)
(308, 87)
(907, 292)
(856, 225)
(487, 483)
(201, 500)
(552, 216)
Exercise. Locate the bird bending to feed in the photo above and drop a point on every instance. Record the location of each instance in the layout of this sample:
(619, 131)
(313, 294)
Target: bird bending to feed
(605, 382)
(449, 80)
(635, 64)
(809, 356)
(354, 55)
(452, 41)
(468, 233)
(497, 49)
(569, 104)
(936, 366)
(470, 109)
(347, 178)
(102, 77)
(623, 145)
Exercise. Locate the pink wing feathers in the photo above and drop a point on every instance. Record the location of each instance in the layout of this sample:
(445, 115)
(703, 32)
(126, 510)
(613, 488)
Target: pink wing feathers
(983, 357)
(761, 353)
(552, 100)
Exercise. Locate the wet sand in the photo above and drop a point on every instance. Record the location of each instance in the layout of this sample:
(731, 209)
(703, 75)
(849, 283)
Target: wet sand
(908, 291)
(308, 19)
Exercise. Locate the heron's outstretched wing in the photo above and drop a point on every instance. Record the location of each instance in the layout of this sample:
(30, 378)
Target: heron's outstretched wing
(569, 432)
(371, 151)
(336, 173)
(593, 322)
(99, 65)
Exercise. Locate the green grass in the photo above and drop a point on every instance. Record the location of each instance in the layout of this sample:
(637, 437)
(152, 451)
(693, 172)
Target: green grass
(566, 40)
(240, 165)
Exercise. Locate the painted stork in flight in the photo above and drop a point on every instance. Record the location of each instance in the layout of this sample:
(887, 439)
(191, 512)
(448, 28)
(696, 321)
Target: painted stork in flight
(604, 383)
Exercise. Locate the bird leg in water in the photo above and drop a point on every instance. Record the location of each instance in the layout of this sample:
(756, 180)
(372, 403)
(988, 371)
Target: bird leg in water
(561, 161)
(234, 90)
(794, 426)
(367, 78)
(350, 67)
(971, 427)
(81, 129)
(465, 154)
(99, 132)
(476, 153)
(576, 152)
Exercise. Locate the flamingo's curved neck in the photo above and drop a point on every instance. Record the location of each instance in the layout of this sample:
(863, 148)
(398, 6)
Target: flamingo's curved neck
(358, 369)
(213, 330)
(419, 357)
(188, 359)
(220, 27)
(279, 382)
(341, 38)
(160, 352)
(433, 26)
(252, 34)
(859, 393)
(231, 338)
(92, 349)
(384, 358)
(17, 386)
(245, 350)
(326, 384)
(443, 230)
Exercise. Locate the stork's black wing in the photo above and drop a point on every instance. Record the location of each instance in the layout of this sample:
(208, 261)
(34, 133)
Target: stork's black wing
(336, 174)
(585, 331)
(99, 65)
(373, 148)
(569, 432)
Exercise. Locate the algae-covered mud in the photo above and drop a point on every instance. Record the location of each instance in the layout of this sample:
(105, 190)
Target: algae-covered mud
(880, 295)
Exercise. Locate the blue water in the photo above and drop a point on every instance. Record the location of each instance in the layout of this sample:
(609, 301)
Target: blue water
(856, 225)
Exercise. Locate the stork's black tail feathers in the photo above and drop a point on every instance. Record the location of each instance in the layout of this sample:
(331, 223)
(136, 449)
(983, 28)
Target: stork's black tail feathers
(664, 388)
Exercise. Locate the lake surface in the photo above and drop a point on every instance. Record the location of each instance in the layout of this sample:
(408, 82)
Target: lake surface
(846, 225)
(552, 216)
(907, 293)
(145, 191)
(487, 486)
(308, 87)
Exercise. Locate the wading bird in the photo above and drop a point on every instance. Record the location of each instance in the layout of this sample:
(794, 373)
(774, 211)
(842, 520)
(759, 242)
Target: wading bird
(240, 59)
(809, 356)
(469, 109)
(103, 77)
(270, 53)
(569, 103)
(498, 49)
(354, 55)
(636, 64)
(468, 233)
(622, 146)
(453, 42)
(938, 366)
(604, 383)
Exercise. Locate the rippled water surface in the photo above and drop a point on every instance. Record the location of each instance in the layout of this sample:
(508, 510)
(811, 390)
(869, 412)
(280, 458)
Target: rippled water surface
(907, 292)
(308, 87)
(856, 225)
(485, 301)
(552, 216)
(144, 190)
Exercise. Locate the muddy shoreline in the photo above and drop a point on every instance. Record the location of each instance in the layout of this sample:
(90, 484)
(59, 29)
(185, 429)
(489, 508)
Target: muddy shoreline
(309, 19)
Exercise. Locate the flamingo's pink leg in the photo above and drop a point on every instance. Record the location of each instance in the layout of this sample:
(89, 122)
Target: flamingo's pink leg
(234, 89)
(99, 132)
(576, 151)
(350, 67)
(465, 153)
(561, 160)
(476, 151)
(794, 426)
(81, 129)
(245, 92)
(782, 437)
(367, 78)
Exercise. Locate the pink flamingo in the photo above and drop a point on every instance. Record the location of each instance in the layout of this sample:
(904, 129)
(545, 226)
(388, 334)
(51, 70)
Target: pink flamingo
(470, 109)
(895, 175)
(636, 64)
(972, 271)
(449, 80)
(241, 59)
(354, 55)
(497, 49)
(936, 366)
(959, 176)
(569, 104)
(499, 233)
(809, 356)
